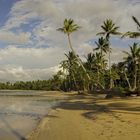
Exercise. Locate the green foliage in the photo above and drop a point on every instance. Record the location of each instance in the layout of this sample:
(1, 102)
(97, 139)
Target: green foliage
(54, 83)
(69, 26)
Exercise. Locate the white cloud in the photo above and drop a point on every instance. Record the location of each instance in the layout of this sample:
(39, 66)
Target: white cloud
(13, 38)
(16, 73)
(31, 57)
(29, 63)
(24, 11)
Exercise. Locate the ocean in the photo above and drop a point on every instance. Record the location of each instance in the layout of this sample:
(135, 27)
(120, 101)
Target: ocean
(20, 111)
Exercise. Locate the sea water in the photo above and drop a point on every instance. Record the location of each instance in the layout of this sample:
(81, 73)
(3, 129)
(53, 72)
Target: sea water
(20, 111)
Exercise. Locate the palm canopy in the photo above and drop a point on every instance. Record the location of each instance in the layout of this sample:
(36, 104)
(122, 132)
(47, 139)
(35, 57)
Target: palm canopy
(68, 26)
(109, 28)
(133, 34)
(95, 61)
(134, 54)
(71, 58)
(102, 45)
(70, 64)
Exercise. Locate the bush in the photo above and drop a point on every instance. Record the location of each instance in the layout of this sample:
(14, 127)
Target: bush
(115, 92)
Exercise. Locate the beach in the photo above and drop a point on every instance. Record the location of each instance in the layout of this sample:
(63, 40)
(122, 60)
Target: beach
(88, 117)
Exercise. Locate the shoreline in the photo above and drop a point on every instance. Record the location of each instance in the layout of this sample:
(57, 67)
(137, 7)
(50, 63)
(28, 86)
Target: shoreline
(39, 124)
(56, 95)
(77, 117)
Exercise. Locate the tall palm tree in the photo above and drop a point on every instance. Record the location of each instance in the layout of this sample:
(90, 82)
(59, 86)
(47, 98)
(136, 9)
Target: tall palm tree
(68, 28)
(133, 34)
(132, 61)
(109, 28)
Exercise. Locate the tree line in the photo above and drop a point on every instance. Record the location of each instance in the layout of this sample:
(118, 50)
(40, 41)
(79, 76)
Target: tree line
(53, 83)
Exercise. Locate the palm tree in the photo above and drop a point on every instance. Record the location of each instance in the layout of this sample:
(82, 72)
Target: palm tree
(133, 34)
(109, 28)
(132, 61)
(123, 68)
(102, 45)
(96, 64)
(69, 67)
(89, 61)
(68, 28)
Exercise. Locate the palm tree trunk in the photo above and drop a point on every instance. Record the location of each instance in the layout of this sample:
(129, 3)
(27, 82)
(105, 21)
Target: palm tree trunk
(130, 88)
(98, 76)
(110, 71)
(75, 81)
(109, 61)
(78, 59)
(135, 78)
(138, 80)
(109, 65)
(101, 52)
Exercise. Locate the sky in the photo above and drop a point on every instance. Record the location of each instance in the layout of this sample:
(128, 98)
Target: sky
(30, 46)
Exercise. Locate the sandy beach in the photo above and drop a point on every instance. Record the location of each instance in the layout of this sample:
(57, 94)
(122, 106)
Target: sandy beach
(91, 117)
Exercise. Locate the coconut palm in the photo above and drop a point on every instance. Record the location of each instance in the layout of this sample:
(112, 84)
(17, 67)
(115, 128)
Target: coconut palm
(89, 61)
(132, 61)
(102, 45)
(133, 34)
(69, 67)
(68, 28)
(109, 28)
(96, 64)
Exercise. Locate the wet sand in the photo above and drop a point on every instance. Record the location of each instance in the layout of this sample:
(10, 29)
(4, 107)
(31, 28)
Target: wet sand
(91, 117)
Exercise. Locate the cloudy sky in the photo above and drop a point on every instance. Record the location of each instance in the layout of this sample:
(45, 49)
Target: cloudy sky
(30, 46)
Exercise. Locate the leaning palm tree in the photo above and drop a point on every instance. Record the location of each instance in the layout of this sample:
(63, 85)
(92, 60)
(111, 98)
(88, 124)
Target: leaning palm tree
(109, 28)
(133, 34)
(68, 28)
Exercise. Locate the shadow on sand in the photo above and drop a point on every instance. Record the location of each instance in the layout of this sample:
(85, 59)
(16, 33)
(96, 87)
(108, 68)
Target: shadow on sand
(97, 105)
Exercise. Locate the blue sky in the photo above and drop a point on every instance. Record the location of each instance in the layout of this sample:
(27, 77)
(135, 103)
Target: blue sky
(30, 46)
(5, 8)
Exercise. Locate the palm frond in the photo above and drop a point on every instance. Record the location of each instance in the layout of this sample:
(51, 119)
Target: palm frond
(136, 21)
(60, 29)
(69, 26)
(101, 33)
(131, 34)
(116, 33)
